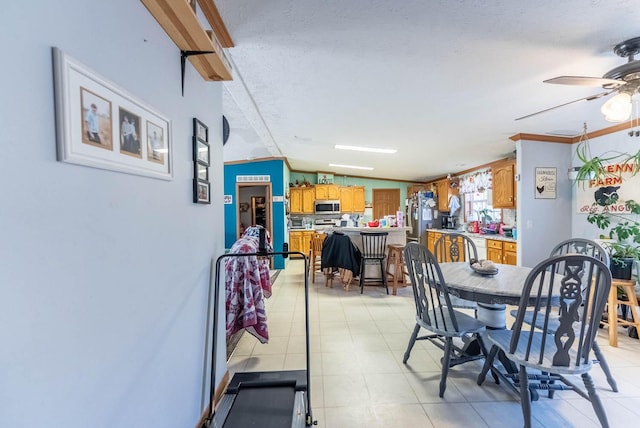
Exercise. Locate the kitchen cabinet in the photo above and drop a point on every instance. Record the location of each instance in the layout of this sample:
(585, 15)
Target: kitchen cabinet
(432, 237)
(352, 199)
(504, 185)
(444, 190)
(300, 240)
(504, 252)
(301, 200)
(327, 191)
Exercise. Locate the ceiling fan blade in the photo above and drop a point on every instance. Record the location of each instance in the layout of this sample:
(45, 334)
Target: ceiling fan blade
(589, 98)
(586, 81)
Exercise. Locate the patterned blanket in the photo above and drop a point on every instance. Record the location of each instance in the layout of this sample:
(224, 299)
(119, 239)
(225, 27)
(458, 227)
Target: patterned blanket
(247, 284)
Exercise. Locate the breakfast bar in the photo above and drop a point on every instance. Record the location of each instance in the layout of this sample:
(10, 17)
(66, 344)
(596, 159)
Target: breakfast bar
(396, 236)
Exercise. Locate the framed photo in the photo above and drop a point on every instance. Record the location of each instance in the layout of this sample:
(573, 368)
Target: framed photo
(96, 120)
(200, 151)
(129, 133)
(201, 191)
(201, 172)
(156, 143)
(546, 181)
(92, 112)
(200, 130)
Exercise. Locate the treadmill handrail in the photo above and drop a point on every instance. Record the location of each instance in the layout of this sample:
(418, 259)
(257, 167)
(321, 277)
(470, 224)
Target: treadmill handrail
(260, 253)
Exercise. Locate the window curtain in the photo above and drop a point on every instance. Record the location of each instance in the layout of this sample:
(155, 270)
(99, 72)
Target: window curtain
(477, 181)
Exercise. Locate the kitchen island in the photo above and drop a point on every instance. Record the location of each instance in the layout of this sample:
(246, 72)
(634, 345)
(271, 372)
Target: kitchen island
(397, 235)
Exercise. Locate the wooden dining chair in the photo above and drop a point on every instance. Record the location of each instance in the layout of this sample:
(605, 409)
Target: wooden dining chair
(456, 247)
(315, 254)
(589, 248)
(374, 245)
(546, 356)
(435, 313)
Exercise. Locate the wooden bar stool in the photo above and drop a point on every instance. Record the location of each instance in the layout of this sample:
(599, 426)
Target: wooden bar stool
(613, 321)
(395, 258)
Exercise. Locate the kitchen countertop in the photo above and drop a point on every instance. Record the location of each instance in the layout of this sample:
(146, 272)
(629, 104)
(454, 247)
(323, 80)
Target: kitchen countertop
(495, 237)
(368, 229)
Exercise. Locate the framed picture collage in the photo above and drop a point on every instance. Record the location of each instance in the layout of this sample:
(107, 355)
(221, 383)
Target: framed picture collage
(201, 161)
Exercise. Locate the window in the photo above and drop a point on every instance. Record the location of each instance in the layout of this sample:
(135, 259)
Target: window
(476, 202)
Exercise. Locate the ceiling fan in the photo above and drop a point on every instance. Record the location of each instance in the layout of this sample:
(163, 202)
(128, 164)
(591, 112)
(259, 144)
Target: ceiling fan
(624, 79)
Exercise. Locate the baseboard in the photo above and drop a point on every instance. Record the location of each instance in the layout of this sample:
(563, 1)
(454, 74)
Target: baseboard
(219, 391)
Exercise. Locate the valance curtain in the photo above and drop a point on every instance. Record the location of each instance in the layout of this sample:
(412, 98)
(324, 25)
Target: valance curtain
(477, 181)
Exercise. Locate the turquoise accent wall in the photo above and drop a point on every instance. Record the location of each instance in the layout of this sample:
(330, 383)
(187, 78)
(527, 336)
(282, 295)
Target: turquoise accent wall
(276, 170)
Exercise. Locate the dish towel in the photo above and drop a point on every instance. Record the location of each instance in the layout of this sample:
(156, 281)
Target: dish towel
(454, 204)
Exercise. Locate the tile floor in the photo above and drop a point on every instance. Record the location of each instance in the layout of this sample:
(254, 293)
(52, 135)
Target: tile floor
(358, 379)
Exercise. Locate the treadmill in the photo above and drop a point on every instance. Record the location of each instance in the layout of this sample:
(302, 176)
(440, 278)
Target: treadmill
(272, 399)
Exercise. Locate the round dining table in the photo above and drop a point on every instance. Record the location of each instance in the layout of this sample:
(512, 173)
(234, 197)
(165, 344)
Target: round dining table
(491, 292)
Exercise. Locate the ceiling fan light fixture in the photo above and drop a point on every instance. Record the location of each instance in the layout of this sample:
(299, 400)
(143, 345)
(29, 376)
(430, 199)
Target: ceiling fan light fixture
(618, 108)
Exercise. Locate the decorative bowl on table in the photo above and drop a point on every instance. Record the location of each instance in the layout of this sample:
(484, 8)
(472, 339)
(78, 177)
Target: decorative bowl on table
(484, 267)
(373, 223)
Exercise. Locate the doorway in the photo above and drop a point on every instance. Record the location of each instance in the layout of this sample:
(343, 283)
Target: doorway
(254, 206)
(385, 202)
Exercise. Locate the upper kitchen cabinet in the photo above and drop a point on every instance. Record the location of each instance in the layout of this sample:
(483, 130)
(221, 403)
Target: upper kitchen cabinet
(504, 185)
(352, 199)
(327, 191)
(444, 190)
(301, 200)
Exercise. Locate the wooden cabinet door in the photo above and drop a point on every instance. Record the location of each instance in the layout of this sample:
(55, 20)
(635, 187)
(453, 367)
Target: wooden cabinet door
(442, 188)
(306, 241)
(295, 241)
(510, 258)
(327, 191)
(494, 254)
(346, 199)
(322, 191)
(358, 199)
(509, 253)
(432, 237)
(504, 185)
(308, 198)
(295, 200)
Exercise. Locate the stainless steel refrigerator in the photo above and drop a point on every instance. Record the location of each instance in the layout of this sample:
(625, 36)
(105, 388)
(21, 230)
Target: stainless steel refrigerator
(422, 214)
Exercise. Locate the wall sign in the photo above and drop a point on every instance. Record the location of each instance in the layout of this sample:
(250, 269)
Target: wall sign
(609, 194)
(546, 181)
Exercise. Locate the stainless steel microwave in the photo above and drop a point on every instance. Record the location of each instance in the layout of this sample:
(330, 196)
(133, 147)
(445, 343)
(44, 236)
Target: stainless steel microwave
(327, 207)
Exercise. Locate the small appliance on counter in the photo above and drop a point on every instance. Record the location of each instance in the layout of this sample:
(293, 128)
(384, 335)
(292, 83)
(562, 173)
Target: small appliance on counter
(449, 222)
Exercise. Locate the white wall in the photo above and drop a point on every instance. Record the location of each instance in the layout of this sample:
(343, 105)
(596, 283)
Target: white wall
(542, 223)
(104, 276)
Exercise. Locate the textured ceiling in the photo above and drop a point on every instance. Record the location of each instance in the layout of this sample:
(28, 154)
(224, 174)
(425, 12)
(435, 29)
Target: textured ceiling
(440, 81)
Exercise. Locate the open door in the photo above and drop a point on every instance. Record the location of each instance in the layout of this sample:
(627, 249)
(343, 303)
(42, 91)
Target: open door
(254, 206)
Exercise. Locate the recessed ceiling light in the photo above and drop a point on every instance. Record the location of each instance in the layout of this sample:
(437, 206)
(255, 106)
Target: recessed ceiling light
(368, 168)
(365, 149)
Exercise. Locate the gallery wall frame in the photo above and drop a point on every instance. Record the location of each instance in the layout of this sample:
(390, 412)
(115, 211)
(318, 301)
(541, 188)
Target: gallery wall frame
(201, 163)
(201, 191)
(201, 151)
(101, 125)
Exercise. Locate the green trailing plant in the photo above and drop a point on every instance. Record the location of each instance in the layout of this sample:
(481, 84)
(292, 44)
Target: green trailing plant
(623, 231)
